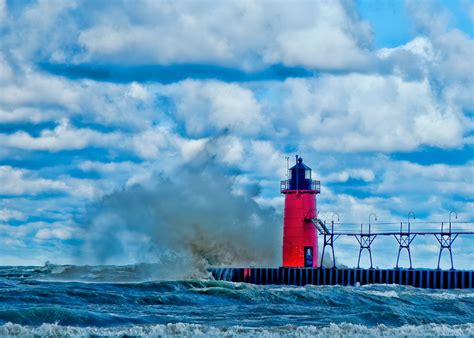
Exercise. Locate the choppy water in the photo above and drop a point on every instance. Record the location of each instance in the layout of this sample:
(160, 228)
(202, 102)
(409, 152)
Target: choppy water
(58, 300)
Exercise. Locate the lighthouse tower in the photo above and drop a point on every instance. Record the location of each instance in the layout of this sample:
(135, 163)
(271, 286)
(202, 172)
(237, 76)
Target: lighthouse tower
(300, 242)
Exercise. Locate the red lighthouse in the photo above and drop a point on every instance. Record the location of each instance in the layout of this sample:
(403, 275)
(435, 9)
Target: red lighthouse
(300, 241)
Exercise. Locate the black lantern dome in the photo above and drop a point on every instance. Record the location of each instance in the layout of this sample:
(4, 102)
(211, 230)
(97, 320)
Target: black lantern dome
(299, 176)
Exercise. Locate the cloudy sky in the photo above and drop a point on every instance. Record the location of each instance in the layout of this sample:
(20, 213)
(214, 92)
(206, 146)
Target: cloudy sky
(101, 97)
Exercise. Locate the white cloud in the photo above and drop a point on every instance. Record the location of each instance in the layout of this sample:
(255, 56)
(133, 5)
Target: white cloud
(330, 41)
(26, 115)
(3, 12)
(149, 143)
(366, 175)
(6, 71)
(17, 181)
(20, 181)
(157, 141)
(27, 94)
(428, 17)
(265, 160)
(137, 91)
(353, 210)
(40, 231)
(258, 158)
(369, 113)
(412, 61)
(63, 137)
(322, 34)
(58, 233)
(206, 106)
(437, 179)
(190, 148)
(36, 30)
(87, 190)
(230, 150)
(452, 68)
(469, 7)
(456, 51)
(117, 174)
(12, 243)
(246, 34)
(7, 214)
(444, 58)
(275, 202)
(30, 88)
(430, 191)
(111, 167)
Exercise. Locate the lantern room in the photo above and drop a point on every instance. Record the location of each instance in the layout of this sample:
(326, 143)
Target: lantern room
(299, 178)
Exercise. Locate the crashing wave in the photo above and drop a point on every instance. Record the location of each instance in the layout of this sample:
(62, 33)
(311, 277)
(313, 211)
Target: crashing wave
(187, 330)
(133, 273)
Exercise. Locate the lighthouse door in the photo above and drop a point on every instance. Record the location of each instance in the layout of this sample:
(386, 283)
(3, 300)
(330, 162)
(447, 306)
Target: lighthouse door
(308, 256)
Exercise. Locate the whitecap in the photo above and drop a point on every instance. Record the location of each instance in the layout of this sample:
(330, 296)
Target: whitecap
(389, 294)
(450, 295)
(187, 330)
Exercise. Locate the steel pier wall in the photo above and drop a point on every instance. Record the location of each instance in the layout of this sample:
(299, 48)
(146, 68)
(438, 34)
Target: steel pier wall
(423, 278)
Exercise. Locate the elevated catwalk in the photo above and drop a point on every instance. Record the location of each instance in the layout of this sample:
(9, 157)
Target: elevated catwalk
(423, 278)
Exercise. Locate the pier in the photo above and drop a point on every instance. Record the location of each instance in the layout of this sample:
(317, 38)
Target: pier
(422, 278)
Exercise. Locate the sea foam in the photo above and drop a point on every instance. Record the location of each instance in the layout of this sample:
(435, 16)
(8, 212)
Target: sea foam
(187, 330)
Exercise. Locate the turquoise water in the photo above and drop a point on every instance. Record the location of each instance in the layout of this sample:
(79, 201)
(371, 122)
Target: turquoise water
(70, 300)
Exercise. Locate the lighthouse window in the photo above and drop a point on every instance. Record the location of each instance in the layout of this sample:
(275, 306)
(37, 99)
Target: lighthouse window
(307, 174)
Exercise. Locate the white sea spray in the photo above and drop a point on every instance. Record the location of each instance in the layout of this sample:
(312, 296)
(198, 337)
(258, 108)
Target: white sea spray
(183, 224)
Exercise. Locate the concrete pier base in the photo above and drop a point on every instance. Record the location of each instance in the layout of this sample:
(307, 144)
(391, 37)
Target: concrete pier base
(422, 278)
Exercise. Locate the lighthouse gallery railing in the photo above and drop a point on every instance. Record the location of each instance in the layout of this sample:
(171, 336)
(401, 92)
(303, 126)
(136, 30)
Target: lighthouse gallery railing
(315, 185)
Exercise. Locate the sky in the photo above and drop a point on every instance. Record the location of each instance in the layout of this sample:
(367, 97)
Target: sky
(99, 99)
